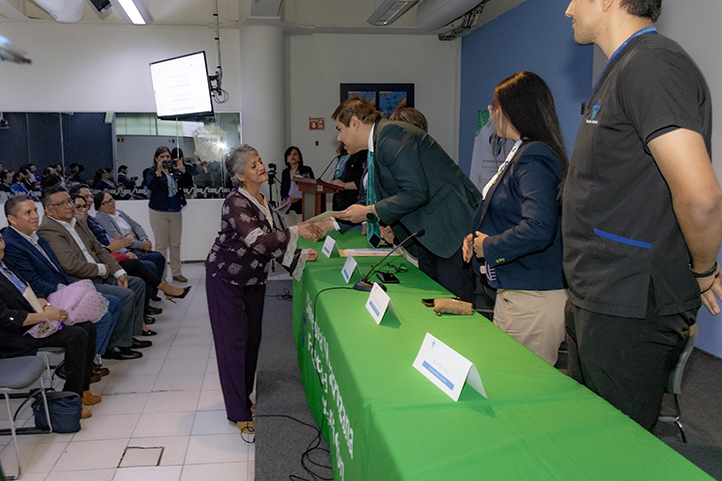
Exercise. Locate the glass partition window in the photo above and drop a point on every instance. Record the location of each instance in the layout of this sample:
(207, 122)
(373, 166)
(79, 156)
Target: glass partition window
(104, 141)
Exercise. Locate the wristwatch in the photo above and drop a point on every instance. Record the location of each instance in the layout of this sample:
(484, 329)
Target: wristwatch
(370, 216)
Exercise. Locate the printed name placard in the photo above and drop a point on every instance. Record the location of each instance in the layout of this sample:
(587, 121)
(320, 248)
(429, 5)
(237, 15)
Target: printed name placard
(378, 302)
(330, 246)
(349, 267)
(446, 368)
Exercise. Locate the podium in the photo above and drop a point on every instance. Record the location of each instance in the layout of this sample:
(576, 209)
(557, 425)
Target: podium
(318, 189)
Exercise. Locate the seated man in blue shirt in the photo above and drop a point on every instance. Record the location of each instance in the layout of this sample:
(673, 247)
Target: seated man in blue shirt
(32, 258)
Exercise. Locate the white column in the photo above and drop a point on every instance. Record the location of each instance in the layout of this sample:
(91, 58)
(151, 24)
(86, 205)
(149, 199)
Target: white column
(263, 102)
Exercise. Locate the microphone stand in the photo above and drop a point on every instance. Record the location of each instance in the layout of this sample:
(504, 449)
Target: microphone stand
(329, 165)
(364, 284)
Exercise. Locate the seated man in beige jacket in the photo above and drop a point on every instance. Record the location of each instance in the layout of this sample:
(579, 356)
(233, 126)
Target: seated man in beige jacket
(82, 257)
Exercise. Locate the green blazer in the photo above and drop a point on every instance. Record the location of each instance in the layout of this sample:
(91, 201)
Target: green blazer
(420, 187)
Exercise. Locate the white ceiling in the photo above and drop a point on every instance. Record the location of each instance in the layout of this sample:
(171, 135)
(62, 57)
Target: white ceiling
(325, 15)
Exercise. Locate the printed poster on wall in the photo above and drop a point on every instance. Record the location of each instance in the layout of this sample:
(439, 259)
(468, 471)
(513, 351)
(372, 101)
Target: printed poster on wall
(489, 152)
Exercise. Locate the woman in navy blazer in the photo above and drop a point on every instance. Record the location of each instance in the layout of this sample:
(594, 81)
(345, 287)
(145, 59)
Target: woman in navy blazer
(166, 181)
(516, 231)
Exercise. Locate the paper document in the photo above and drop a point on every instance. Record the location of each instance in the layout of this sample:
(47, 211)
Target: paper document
(325, 215)
(368, 252)
(283, 207)
(32, 299)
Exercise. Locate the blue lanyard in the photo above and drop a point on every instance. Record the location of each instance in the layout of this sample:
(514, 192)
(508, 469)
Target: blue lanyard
(644, 31)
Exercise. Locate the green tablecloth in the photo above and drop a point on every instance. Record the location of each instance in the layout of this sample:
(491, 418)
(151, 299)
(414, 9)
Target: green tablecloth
(385, 421)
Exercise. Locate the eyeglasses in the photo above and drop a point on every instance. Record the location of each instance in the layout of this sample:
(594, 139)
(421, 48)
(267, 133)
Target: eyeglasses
(109, 201)
(81, 207)
(63, 203)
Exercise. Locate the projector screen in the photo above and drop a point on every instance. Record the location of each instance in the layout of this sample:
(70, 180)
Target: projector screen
(181, 87)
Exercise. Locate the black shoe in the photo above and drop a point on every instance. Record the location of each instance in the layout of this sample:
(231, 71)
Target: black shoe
(149, 320)
(148, 332)
(155, 299)
(122, 354)
(138, 344)
(153, 311)
(172, 298)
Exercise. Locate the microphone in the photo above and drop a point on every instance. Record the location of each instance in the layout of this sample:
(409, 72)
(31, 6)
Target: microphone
(364, 284)
(329, 165)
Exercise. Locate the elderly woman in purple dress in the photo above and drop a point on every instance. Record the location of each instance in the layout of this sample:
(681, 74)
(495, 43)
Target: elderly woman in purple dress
(236, 272)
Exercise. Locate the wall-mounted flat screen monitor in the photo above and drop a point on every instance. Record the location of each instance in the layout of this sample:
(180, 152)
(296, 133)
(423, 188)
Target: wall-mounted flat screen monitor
(181, 87)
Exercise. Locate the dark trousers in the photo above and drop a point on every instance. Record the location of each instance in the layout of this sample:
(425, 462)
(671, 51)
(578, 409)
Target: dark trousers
(158, 268)
(452, 273)
(145, 270)
(626, 361)
(236, 313)
(78, 341)
(132, 299)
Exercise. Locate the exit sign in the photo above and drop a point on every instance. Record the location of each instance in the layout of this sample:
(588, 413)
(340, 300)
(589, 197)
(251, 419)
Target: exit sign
(315, 123)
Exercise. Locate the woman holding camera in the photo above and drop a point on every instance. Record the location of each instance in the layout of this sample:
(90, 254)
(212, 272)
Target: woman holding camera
(166, 181)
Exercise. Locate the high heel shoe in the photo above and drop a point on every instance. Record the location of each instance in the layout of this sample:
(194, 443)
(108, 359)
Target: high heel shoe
(172, 298)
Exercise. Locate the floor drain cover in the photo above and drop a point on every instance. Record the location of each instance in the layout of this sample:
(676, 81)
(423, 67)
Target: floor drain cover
(134, 456)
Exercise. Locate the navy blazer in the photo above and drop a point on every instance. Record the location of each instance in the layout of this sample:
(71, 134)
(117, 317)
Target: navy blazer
(521, 216)
(28, 263)
(14, 309)
(158, 187)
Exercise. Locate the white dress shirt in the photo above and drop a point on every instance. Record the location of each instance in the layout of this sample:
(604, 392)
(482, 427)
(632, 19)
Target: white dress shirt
(102, 269)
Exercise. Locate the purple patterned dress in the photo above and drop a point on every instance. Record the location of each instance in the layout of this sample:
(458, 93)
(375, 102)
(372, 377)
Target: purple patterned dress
(236, 274)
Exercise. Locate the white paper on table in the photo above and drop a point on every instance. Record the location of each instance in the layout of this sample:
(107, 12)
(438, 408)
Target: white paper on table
(378, 303)
(370, 252)
(348, 269)
(329, 246)
(446, 368)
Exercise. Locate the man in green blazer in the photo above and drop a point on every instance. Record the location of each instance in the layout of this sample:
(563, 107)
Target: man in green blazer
(415, 185)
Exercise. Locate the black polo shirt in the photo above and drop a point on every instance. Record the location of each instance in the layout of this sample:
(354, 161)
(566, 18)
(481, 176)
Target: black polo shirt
(624, 253)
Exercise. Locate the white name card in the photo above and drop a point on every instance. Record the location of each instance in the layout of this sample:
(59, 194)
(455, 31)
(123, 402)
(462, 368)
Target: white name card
(446, 368)
(349, 267)
(378, 302)
(329, 246)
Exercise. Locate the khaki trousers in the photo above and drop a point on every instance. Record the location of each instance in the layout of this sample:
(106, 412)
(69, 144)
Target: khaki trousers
(534, 318)
(167, 228)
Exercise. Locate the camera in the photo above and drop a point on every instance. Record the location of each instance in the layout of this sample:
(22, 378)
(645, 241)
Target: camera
(168, 164)
(271, 170)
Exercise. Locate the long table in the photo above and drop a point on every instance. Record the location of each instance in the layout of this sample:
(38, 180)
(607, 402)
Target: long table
(385, 421)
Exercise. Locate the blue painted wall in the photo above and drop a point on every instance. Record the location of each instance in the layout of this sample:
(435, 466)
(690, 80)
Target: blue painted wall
(537, 37)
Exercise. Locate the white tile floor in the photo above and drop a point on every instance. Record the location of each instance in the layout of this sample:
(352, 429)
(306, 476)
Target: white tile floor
(170, 398)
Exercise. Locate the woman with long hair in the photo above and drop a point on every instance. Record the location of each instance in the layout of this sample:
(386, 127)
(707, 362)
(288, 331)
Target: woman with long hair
(516, 232)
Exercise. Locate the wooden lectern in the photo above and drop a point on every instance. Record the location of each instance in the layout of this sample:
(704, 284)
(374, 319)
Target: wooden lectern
(317, 188)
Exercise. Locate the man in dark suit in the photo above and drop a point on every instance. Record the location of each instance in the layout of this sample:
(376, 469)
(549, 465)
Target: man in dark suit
(82, 257)
(17, 316)
(411, 184)
(32, 258)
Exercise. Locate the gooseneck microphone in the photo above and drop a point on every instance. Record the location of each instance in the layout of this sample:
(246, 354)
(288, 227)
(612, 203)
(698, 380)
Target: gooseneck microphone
(364, 284)
(329, 165)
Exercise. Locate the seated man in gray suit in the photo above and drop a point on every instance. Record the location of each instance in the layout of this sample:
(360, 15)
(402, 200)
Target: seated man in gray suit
(411, 184)
(82, 257)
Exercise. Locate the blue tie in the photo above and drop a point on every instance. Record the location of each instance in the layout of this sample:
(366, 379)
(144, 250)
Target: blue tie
(373, 232)
(13, 278)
